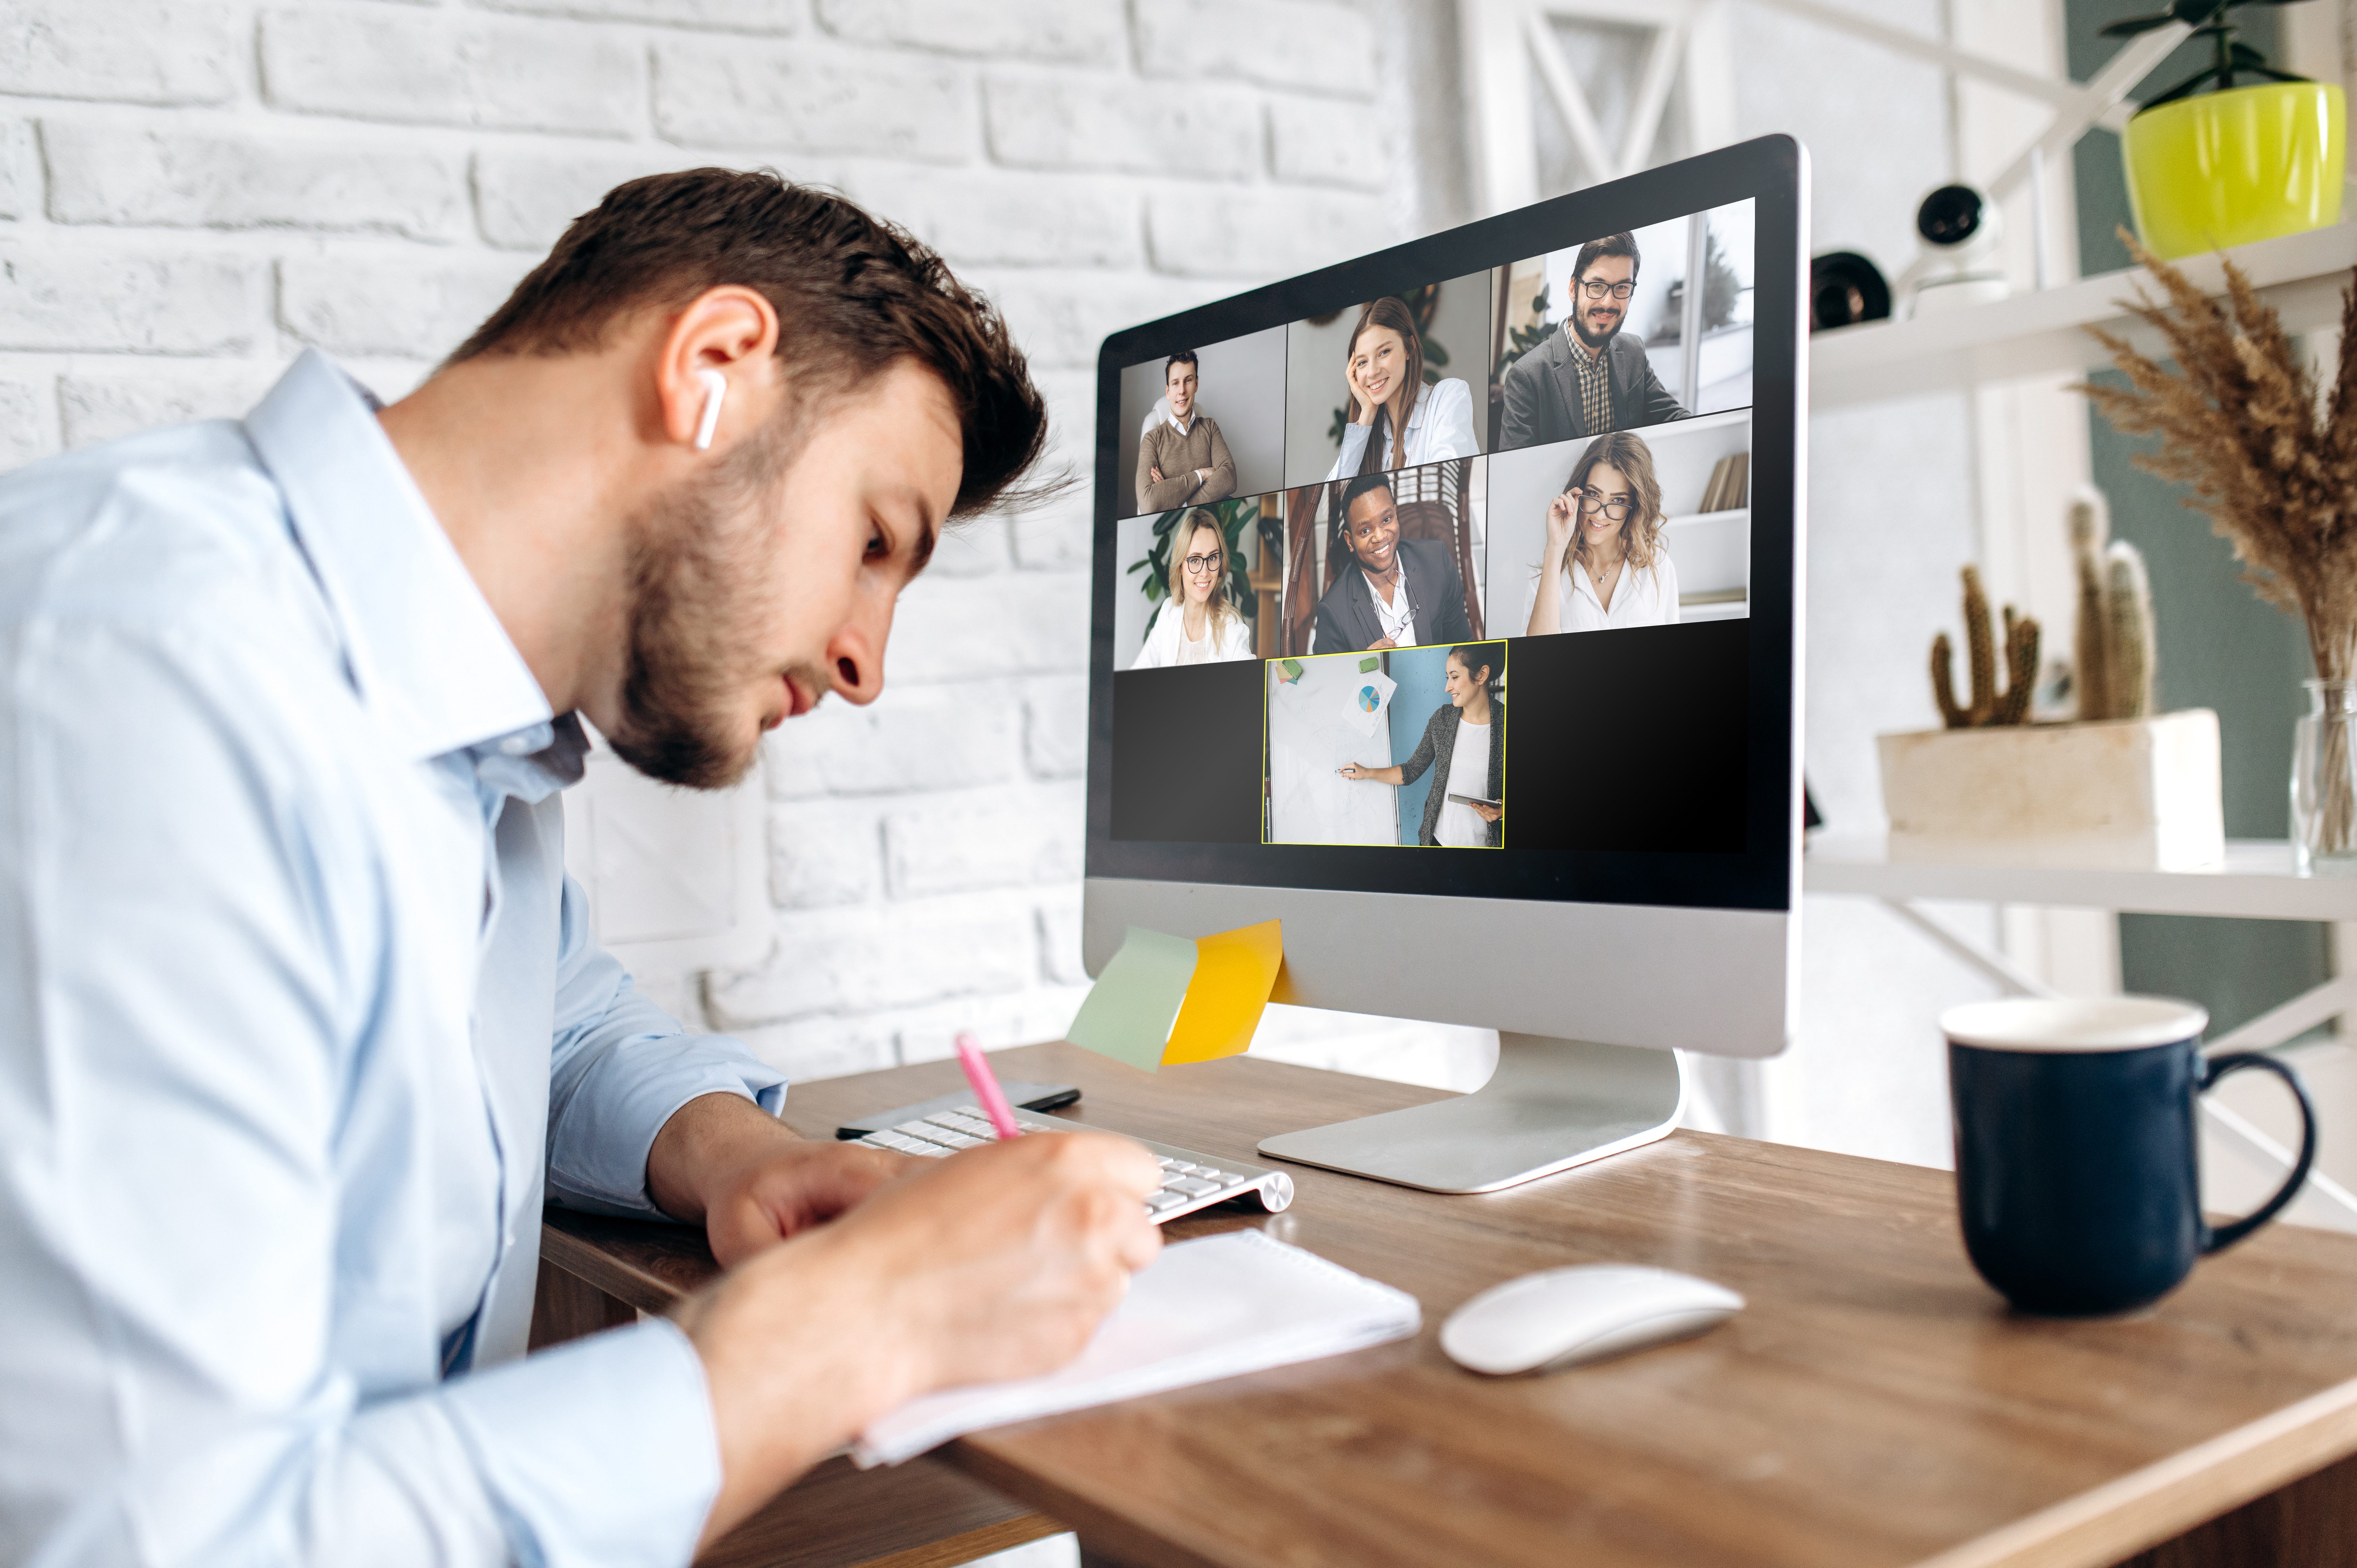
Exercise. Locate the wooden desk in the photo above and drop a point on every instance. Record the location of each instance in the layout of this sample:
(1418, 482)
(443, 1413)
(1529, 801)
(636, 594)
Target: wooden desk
(1875, 1405)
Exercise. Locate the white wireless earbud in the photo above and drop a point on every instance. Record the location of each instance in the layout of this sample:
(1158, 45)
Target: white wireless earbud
(716, 391)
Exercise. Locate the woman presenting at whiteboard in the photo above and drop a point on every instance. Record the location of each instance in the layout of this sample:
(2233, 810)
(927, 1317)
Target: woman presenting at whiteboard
(1466, 737)
(1605, 564)
(1396, 420)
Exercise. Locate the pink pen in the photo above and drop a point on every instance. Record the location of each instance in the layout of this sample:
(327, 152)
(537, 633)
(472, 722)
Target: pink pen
(986, 1085)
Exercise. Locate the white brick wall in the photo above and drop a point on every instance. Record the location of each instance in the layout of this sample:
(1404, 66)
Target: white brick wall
(191, 190)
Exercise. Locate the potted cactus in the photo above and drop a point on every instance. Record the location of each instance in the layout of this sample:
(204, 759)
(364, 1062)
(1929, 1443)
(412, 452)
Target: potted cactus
(2118, 786)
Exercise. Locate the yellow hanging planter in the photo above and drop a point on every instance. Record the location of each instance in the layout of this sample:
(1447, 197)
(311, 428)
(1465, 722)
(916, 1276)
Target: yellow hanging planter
(2225, 168)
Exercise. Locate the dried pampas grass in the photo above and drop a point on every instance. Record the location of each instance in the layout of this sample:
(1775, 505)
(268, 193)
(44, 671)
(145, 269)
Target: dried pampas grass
(2273, 465)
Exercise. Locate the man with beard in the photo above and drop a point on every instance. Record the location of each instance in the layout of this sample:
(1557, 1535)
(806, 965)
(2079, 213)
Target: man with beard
(1588, 379)
(300, 1021)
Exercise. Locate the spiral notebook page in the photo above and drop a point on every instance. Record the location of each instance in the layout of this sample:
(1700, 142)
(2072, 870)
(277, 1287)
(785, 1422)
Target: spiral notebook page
(1215, 1307)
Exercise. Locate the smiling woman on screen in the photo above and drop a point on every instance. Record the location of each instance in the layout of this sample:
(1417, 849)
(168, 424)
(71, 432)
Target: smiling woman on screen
(1465, 737)
(1197, 625)
(1605, 565)
(1395, 421)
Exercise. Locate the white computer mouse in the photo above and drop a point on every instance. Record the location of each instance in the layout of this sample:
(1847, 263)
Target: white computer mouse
(1563, 1318)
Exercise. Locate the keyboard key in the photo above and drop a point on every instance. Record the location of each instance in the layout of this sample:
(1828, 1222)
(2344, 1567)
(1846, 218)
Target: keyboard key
(1194, 1186)
(1162, 1200)
(926, 1133)
(1169, 1164)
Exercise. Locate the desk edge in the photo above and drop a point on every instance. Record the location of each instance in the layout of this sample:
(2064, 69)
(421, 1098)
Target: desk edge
(2160, 1503)
(587, 1263)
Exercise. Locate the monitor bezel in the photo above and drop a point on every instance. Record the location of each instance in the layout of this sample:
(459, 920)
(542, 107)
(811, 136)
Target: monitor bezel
(1770, 171)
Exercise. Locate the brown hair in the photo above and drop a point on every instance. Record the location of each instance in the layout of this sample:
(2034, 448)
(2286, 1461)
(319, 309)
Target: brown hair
(855, 296)
(1488, 658)
(1595, 250)
(1393, 311)
(1625, 452)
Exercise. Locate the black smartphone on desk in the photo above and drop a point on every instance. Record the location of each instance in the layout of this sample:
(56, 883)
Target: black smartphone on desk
(1025, 1095)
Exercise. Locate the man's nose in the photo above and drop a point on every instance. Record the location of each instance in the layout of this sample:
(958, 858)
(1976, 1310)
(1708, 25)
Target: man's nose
(856, 653)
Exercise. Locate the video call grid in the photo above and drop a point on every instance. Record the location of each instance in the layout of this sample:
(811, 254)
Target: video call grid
(1508, 427)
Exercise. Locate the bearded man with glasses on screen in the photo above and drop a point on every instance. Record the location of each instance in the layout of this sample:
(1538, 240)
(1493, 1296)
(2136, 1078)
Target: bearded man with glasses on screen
(1589, 378)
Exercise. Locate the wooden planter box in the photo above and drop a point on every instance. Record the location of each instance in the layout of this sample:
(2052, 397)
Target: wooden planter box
(2126, 793)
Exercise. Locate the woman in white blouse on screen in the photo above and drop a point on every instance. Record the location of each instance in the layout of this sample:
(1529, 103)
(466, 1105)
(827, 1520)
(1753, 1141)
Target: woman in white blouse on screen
(1606, 564)
(1396, 420)
(1197, 625)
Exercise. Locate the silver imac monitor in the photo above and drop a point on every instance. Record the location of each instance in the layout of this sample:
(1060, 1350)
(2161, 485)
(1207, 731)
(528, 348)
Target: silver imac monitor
(1548, 464)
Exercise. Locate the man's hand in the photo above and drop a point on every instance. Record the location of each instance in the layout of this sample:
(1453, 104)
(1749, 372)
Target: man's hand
(1155, 472)
(996, 1263)
(724, 1161)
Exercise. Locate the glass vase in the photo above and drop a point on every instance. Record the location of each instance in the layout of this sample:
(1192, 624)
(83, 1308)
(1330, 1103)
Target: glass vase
(2324, 781)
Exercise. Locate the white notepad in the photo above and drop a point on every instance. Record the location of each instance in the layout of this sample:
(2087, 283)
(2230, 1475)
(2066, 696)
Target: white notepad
(1214, 1307)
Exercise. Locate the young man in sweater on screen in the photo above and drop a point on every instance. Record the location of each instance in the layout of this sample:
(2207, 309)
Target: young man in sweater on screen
(1182, 458)
(300, 1021)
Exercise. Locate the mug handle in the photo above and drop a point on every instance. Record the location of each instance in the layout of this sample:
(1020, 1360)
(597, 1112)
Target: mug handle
(2225, 1236)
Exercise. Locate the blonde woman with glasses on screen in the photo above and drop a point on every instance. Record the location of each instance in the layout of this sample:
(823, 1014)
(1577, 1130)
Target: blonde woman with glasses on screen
(1395, 421)
(1605, 565)
(1197, 625)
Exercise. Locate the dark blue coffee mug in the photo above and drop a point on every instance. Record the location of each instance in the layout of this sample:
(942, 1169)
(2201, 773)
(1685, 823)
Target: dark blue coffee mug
(2078, 1148)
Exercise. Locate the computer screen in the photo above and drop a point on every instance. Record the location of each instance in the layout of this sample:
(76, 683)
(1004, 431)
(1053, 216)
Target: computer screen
(1467, 568)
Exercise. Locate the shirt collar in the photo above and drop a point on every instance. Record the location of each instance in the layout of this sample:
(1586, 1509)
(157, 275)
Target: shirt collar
(433, 664)
(1415, 409)
(531, 763)
(1578, 346)
(1188, 427)
(1393, 615)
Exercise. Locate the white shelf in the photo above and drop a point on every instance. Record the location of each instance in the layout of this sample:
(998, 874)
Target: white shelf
(1704, 424)
(2255, 882)
(2044, 333)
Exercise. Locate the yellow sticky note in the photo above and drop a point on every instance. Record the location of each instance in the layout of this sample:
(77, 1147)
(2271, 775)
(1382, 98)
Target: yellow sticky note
(1234, 972)
(1164, 999)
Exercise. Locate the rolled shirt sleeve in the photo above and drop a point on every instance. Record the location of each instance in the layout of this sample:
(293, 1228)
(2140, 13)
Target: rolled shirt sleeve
(1354, 448)
(628, 1408)
(620, 1067)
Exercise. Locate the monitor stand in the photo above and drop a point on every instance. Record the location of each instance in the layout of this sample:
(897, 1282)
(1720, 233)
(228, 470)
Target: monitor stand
(1552, 1105)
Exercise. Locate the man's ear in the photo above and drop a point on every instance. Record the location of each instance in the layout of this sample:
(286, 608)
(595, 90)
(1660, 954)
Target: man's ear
(731, 331)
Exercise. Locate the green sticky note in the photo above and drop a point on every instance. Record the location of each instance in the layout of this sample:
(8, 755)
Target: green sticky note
(1292, 667)
(1129, 1012)
(1370, 664)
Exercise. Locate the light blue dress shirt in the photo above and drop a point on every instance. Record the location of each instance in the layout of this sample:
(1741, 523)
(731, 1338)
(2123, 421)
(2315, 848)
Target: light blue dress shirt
(300, 1024)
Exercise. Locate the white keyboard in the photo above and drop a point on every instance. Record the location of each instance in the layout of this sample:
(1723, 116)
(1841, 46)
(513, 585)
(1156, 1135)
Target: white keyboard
(1189, 1181)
